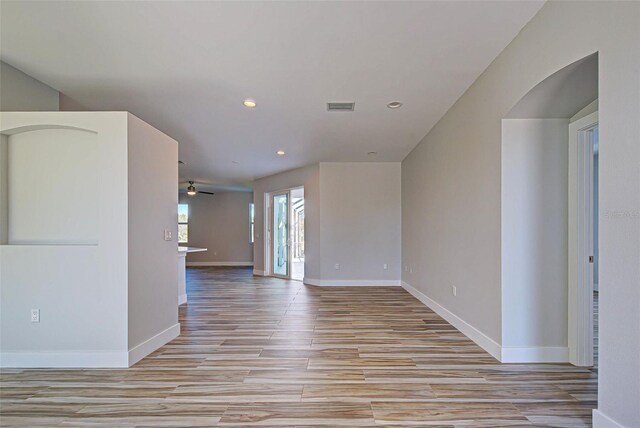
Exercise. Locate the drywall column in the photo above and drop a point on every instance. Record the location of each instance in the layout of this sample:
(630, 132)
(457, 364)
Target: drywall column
(152, 184)
(534, 240)
(90, 196)
(66, 252)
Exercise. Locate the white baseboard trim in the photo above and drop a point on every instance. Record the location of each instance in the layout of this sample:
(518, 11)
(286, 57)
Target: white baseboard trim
(182, 299)
(61, 359)
(600, 420)
(219, 264)
(148, 346)
(481, 339)
(351, 283)
(258, 272)
(539, 354)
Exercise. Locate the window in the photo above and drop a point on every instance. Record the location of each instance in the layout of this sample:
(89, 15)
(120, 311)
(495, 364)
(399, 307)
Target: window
(252, 218)
(183, 223)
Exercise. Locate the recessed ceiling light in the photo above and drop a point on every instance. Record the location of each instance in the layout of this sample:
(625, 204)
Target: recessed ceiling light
(280, 152)
(249, 103)
(372, 153)
(394, 104)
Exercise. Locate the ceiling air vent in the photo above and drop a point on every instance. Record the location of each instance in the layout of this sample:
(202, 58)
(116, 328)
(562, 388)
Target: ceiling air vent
(341, 106)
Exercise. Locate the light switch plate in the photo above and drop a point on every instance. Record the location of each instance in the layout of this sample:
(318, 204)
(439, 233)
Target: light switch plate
(168, 235)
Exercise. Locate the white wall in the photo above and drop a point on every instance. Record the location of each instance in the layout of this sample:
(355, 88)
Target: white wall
(21, 92)
(219, 223)
(352, 218)
(534, 236)
(153, 262)
(360, 222)
(309, 177)
(587, 110)
(451, 186)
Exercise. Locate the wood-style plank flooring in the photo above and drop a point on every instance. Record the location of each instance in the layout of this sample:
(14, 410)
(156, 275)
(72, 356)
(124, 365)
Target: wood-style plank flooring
(264, 351)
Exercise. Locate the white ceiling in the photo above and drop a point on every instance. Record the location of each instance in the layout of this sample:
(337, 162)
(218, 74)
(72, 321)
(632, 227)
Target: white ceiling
(185, 67)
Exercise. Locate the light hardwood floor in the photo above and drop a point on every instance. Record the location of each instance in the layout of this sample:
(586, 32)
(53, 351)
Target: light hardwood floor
(264, 351)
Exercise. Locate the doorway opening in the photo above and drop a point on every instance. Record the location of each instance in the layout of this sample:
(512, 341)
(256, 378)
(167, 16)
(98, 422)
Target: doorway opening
(285, 234)
(549, 219)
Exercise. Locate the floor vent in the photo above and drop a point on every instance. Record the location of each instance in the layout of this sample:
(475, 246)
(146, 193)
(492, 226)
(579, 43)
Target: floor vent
(341, 106)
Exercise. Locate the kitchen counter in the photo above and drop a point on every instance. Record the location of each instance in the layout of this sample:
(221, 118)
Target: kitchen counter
(182, 271)
(190, 249)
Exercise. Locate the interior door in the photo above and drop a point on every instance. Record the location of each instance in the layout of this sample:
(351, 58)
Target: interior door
(280, 230)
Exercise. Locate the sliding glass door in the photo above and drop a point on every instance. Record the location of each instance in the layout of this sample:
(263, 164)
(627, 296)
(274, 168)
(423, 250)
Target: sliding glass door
(280, 249)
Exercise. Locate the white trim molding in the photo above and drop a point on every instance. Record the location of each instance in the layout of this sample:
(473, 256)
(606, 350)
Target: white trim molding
(182, 299)
(62, 359)
(219, 264)
(600, 420)
(580, 242)
(351, 283)
(481, 339)
(538, 354)
(140, 351)
(88, 359)
(503, 354)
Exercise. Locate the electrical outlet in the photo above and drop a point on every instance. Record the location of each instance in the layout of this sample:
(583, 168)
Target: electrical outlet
(410, 270)
(385, 266)
(215, 253)
(454, 290)
(35, 315)
(168, 236)
(337, 266)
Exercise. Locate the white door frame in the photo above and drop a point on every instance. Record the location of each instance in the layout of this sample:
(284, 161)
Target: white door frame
(291, 230)
(580, 275)
(268, 233)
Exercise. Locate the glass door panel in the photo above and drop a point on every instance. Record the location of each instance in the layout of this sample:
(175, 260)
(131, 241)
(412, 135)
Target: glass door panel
(281, 235)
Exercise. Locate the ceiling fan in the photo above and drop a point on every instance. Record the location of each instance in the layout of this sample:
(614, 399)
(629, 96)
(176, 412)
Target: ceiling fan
(191, 190)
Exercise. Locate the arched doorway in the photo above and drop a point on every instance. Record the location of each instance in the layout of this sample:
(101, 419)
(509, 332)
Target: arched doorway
(545, 311)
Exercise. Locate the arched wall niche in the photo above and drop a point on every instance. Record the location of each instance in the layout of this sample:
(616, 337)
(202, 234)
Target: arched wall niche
(49, 185)
(29, 128)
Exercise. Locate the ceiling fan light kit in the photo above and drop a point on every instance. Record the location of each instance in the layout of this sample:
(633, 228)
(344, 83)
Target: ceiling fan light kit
(191, 190)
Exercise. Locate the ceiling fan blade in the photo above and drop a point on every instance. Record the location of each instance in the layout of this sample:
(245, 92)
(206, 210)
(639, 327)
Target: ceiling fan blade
(206, 193)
